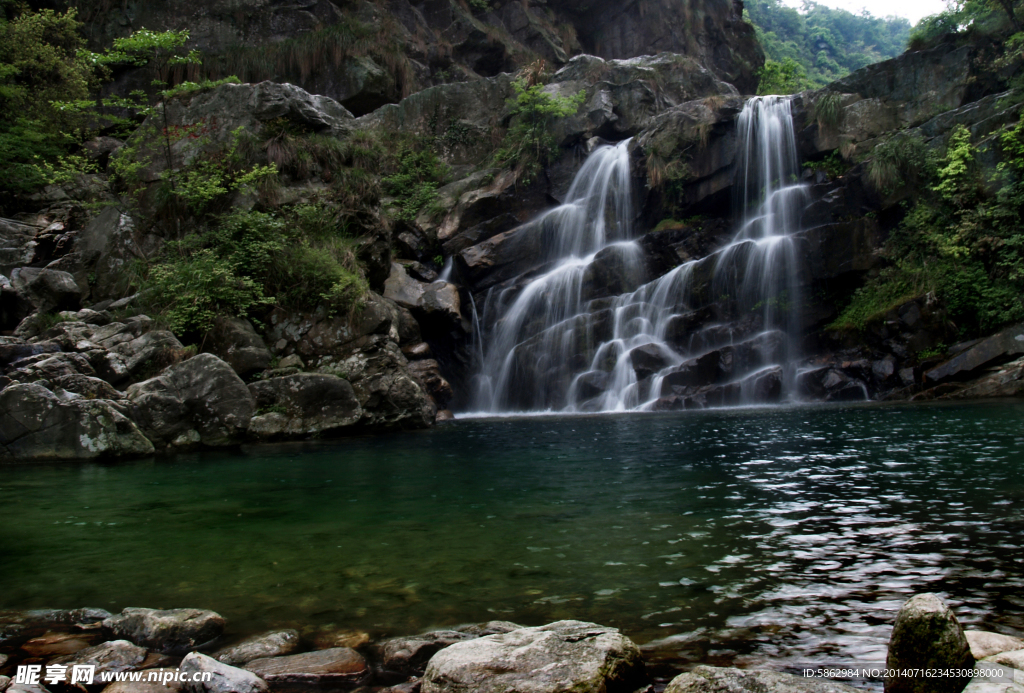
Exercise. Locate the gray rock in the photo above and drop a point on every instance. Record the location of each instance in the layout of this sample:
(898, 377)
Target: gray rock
(26, 688)
(48, 290)
(409, 655)
(201, 399)
(224, 677)
(273, 644)
(171, 631)
(985, 644)
(427, 372)
(437, 301)
(927, 635)
(303, 404)
(36, 424)
(110, 657)
(705, 679)
(1006, 344)
(235, 341)
(5, 681)
(1013, 658)
(338, 666)
(562, 656)
(293, 361)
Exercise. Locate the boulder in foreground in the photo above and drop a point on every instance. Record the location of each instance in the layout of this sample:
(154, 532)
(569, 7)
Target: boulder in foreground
(927, 635)
(562, 656)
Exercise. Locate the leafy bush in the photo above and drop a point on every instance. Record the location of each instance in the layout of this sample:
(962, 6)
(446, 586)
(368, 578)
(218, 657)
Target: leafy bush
(529, 143)
(956, 241)
(414, 185)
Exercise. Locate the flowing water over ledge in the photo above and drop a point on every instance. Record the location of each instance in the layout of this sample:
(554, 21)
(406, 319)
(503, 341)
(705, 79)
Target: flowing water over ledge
(785, 535)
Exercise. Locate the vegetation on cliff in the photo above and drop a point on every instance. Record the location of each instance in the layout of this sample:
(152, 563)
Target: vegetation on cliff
(962, 239)
(808, 49)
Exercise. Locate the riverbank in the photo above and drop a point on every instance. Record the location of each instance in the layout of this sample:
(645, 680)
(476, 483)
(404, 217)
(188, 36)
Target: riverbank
(172, 647)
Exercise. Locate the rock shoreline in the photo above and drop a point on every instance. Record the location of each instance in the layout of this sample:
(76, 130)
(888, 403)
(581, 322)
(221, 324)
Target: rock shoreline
(497, 656)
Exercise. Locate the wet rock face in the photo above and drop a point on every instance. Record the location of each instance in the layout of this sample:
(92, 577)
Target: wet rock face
(567, 655)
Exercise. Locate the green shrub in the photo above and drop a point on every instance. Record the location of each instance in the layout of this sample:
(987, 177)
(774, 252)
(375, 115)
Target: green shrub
(529, 143)
(957, 242)
(828, 110)
(189, 291)
(899, 161)
(786, 77)
(414, 185)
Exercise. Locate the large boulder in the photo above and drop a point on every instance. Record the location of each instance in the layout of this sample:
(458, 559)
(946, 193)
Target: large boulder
(171, 631)
(223, 678)
(705, 679)
(562, 656)
(927, 635)
(48, 290)
(303, 404)
(36, 424)
(333, 668)
(236, 342)
(199, 400)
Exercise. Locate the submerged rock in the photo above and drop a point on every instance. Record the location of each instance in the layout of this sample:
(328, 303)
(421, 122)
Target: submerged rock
(562, 656)
(927, 635)
(171, 631)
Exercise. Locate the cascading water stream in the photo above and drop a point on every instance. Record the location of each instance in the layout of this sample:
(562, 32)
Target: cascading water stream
(714, 331)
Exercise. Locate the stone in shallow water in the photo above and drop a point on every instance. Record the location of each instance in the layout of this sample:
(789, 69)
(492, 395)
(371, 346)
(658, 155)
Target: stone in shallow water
(223, 677)
(273, 644)
(339, 666)
(110, 657)
(1014, 659)
(927, 635)
(50, 644)
(408, 655)
(985, 644)
(563, 656)
(705, 679)
(172, 631)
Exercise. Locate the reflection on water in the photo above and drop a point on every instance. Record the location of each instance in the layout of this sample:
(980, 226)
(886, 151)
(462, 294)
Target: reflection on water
(791, 535)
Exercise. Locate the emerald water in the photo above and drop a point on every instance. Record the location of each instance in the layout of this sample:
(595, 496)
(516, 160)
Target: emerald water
(789, 535)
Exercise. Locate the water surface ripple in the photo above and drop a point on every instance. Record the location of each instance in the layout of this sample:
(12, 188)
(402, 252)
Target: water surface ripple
(788, 535)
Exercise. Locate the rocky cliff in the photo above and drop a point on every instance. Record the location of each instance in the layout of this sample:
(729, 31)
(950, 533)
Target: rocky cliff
(87, 373)
(368, 53)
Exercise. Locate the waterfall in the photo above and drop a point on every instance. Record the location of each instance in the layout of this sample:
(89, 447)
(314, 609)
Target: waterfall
(716, 331)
